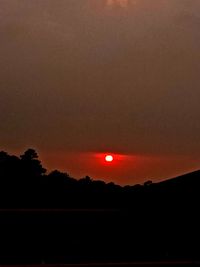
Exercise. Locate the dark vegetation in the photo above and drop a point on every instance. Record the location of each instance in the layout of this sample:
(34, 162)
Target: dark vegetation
(54, 218)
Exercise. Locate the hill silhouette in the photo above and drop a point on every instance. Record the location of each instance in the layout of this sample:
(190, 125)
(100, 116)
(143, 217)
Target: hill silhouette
(55, 218)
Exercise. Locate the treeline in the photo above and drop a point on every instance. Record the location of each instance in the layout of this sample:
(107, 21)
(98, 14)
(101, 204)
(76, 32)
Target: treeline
(24, 183)
(100, 222)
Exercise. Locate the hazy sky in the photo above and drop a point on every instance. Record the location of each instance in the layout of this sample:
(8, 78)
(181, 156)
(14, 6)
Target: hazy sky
(83, 77)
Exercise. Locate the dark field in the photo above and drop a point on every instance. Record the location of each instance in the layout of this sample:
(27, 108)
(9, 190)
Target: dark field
(48, 237)
(158, 264)
(64, 221)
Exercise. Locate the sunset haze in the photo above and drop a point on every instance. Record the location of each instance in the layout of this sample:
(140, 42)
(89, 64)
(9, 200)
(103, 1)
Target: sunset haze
(81, 79)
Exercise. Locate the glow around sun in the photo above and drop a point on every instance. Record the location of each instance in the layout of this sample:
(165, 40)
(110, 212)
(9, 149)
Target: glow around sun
(108, 158)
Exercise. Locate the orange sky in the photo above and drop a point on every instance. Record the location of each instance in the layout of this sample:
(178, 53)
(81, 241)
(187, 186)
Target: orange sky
(81, 78)
(124, 169)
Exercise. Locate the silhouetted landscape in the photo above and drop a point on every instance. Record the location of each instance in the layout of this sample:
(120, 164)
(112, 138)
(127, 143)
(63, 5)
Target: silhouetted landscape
(99, 133)
(54, 218)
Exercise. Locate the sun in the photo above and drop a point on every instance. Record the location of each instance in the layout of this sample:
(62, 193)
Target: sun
(108, 158)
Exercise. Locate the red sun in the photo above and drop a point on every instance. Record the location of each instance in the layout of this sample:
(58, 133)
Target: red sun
(108, 158)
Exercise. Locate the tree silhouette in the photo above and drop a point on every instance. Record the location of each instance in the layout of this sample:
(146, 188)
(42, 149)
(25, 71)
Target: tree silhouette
(153, 217)
(9, 166)
(29, 154)
(147, 183)
(3, 156)
(30, 163)
(86, 181)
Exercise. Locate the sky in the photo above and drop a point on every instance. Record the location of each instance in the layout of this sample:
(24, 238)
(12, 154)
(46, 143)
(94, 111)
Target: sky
(83, 78)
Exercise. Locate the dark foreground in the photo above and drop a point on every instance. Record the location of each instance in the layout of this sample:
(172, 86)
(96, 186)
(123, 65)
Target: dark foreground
(46, 238)
(54, 218)
(134, 264)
